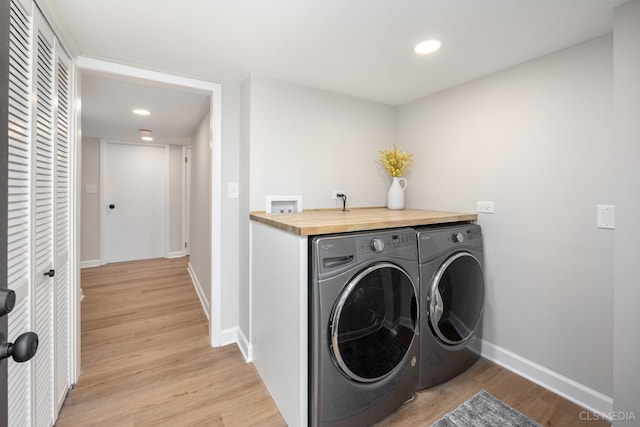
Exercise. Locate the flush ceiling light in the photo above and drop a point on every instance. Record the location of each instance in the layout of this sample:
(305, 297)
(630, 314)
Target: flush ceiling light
(145, 135)
(141, 112)
(428, 46)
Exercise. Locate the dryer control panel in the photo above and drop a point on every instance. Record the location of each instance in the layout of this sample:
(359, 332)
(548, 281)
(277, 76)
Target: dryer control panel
(432, 241)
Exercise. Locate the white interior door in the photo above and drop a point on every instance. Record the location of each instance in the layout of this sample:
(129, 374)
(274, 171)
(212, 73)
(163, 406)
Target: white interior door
(135, 188)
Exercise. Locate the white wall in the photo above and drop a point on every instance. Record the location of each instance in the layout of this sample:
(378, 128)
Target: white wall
(90, 203)
(297, 140)
(309, 142)
(243, 232)
(200, 212)
(230, 210)
(626, 390)
(536, 140)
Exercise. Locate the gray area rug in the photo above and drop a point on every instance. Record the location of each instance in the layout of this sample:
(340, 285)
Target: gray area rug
(485, 410)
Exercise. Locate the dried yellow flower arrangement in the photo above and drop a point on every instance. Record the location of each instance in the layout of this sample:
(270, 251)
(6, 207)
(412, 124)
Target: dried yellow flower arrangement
(395, 161)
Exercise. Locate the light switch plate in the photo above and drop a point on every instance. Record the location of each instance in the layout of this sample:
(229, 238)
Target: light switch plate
(607, 216)
(91, 189)
(233, 190)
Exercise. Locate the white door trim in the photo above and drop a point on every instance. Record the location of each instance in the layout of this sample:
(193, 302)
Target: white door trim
(104, 167)
(167, 202)
(75, 184)
(88, 65)
(185, 244)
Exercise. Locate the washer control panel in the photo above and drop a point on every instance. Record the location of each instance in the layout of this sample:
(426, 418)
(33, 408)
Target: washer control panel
(388, 242)
(340, 252)
(457, 237)
(377, 245)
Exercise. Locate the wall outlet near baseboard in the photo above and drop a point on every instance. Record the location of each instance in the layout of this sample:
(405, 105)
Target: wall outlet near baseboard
(485, 207)
(334, 194)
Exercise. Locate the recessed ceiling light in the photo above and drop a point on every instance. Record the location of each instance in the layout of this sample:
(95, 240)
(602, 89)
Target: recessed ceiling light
(147, 138)
(141, 112)
(428, 46)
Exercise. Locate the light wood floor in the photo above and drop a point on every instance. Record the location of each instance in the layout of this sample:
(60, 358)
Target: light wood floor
(146, 361)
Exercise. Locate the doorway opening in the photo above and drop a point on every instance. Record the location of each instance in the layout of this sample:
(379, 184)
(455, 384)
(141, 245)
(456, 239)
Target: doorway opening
(210, 132)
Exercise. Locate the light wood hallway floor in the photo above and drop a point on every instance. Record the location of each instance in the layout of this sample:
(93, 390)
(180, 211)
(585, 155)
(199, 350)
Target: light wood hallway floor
(146, 361)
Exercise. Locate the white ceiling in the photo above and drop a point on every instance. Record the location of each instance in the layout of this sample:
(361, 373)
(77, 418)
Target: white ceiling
(362, 48)
(107, 106)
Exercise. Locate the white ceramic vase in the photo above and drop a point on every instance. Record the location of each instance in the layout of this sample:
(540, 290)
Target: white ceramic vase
(395, 196)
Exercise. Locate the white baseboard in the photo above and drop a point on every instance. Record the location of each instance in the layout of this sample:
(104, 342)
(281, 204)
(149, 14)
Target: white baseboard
(199, 291)
(229, 336)
(569, 389)
(244, 346)
(90, 263)
(177, 254)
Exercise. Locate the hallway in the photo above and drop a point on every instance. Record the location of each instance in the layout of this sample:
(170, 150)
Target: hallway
(146, 359)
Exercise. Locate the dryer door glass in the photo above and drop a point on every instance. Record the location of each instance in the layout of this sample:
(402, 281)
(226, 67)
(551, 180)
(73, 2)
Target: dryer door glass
(373, 322)
(456, 298)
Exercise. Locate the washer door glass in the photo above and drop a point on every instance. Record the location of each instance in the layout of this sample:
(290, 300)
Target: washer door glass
(373, 322)
(456, 298)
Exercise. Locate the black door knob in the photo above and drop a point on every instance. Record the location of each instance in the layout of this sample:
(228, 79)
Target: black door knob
(22, 350)
(7, 301)
(50, 273)
(112, 206)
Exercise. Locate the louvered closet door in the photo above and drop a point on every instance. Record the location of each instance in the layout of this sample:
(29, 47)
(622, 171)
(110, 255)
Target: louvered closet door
(62, 226)
(43, 219)
(39, 214)
(19, 206)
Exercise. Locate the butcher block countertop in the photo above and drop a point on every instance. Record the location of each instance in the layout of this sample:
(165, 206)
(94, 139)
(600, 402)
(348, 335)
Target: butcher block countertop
(329, 221)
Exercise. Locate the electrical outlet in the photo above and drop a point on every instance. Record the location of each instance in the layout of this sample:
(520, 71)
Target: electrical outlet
(485, 207)
(334, 194)
(607, 216)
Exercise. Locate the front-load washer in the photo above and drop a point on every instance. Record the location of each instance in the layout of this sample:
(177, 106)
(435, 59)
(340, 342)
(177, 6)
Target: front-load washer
(451, 300)
(363, 319)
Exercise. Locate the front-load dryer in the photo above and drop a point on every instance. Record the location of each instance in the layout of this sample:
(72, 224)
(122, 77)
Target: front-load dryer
(363, 338)
(451, 300)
